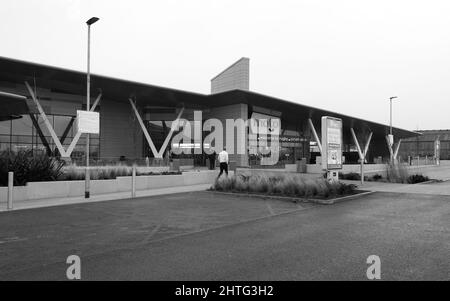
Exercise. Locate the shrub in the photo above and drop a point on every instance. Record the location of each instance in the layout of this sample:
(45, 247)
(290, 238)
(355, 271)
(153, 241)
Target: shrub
(376, 177)
(417, 178)
(287, 185)
(350, 176)
(29, 167)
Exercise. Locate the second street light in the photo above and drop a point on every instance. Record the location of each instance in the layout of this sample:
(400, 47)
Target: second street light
(88, 105)
(391, 137)
(390, 122)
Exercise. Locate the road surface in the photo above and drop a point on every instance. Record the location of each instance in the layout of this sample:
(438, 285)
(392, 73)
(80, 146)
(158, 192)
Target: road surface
(206, 236)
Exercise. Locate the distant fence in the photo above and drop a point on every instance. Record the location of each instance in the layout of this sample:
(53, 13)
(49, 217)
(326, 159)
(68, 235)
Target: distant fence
(418, 160)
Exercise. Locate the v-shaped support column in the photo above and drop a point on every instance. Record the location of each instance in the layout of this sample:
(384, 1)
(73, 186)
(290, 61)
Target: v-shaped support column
(316, 137)
(62, 151)
(156, 153)
(393, 150)
(362, 154)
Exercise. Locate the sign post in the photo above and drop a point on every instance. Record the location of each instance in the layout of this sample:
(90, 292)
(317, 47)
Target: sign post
(332, 147)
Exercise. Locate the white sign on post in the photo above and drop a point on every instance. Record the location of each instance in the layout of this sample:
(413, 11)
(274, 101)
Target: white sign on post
(391, 140)
(331, 143)
(88, 122)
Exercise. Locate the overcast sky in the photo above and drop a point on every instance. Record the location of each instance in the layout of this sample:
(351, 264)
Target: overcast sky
(345, 56)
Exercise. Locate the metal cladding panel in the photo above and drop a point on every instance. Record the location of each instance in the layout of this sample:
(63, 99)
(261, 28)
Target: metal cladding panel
(237, 76)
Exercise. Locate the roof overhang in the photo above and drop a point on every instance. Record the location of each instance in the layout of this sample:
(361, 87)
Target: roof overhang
(74, 82)
(12, 105)
(294, 111)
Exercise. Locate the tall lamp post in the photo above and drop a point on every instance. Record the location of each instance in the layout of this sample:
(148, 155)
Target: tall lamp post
(88, 105)
(390, 123)
(391, 137)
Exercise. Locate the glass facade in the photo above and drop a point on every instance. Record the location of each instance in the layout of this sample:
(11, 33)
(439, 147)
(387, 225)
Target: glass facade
(24, 133)
(292, 142)
(158, 131)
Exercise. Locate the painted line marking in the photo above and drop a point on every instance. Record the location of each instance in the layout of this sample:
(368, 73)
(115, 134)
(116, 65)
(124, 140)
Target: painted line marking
(269, 207)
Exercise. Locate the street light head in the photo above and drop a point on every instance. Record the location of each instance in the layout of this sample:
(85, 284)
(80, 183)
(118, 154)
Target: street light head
(92, 20)
(392, 97)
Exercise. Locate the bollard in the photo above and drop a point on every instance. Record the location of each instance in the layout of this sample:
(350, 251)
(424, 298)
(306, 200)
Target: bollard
(133, 182)
(10, 189)
(362, 172)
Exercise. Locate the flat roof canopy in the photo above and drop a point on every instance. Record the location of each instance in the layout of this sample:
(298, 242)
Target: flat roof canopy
(292, 111)
(74, 82)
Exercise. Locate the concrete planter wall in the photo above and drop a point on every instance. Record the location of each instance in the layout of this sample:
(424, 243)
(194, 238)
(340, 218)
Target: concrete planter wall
(65, 189)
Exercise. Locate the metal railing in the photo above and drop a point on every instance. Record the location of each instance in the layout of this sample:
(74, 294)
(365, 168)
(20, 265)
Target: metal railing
(418, 160)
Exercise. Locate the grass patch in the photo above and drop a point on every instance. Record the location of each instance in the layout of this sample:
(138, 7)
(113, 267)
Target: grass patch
(399, 174)
(282, 185)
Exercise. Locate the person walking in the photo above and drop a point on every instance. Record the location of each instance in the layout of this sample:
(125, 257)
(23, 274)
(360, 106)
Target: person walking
(223, 160)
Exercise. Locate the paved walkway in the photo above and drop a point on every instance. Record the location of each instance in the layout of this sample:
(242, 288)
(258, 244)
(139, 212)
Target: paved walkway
(441, 173)
(440, 188)
(103, 197)
(435, 172)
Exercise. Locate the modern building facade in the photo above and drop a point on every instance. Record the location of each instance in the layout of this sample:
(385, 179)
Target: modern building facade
(61, 92)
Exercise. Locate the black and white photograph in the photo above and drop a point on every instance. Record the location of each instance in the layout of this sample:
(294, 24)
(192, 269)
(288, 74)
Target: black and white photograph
(221, 148)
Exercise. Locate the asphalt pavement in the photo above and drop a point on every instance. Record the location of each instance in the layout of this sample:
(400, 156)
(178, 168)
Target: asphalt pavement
(206, 236)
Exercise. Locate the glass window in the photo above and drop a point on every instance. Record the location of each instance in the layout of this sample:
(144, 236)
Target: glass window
(22, 126)
(60, 124)
(94, 141)
(40, 147)
(4, 138)
(4, 146)
(155, 126)
(21, 139)
(82, 140)
(67, 142)
(93, 151)
(21, 147)
(78, 152)
(5, 127)
(289, 132)
(42, 125)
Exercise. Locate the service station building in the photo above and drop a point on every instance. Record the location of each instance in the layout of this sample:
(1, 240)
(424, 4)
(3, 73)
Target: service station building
(131, 112)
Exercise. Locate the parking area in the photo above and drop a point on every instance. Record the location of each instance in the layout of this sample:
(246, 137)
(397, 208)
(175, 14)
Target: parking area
(208, 236)
(34, 237)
